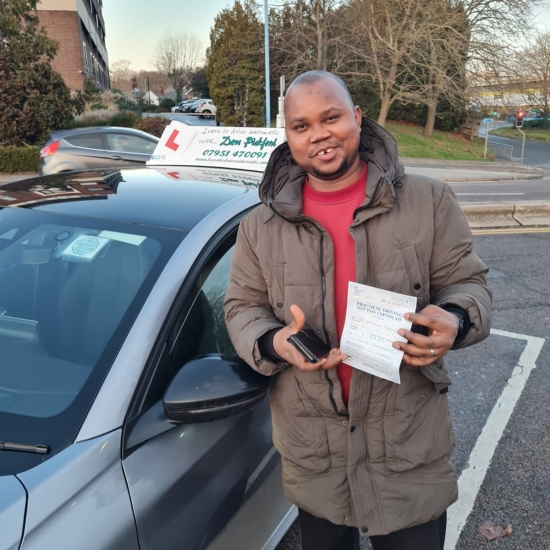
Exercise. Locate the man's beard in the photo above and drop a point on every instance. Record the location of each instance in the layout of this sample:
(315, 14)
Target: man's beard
(340, 171)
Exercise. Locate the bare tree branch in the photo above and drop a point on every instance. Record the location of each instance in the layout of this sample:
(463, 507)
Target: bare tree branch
(176, 54)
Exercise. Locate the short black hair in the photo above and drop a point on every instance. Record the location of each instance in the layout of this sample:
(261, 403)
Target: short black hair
(311, 77)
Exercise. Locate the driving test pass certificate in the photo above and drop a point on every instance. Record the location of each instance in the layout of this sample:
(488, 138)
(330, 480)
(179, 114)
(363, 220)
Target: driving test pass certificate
(373, 318)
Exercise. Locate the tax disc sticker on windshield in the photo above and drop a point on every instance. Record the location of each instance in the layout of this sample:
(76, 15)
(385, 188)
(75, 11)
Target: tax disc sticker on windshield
(85, 247)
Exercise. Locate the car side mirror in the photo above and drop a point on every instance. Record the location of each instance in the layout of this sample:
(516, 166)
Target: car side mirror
(212, 388)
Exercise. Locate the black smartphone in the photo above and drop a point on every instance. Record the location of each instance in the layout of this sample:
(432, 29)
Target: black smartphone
(309, 345)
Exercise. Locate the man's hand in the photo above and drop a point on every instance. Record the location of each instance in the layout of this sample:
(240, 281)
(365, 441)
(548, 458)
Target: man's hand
(442, 330)
(289, 353)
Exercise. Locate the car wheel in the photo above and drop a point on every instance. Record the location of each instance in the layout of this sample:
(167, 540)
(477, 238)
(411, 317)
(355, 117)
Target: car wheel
(206, 114)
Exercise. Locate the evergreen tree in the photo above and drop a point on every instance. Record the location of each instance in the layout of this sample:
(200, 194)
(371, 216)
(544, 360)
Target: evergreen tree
(235, 65)
(33, 97)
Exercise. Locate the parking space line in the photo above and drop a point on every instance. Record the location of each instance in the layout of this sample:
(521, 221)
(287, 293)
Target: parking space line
(472, 477)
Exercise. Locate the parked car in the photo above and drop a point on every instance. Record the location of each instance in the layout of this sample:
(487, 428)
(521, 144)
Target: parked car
(206, 107)
(127, 420)
(94, 148)
(188, 108)
(182, 104)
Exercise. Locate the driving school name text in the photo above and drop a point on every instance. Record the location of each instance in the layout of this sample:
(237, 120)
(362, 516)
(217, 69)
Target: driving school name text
(379, 311)
(228, 141)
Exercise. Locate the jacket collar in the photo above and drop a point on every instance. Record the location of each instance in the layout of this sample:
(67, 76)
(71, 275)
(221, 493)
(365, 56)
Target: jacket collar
(283, 180)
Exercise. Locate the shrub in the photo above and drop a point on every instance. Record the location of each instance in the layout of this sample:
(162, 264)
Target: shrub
(124, 104)
(167, 103)
(153, 125)
(87, 121)
(147, 108)
(19, 159)
(126, 119)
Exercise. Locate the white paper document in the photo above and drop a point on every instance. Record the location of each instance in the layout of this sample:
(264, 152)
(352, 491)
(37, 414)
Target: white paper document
(373, 318)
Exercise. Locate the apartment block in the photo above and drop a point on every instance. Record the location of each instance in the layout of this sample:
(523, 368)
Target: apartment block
(79, 28)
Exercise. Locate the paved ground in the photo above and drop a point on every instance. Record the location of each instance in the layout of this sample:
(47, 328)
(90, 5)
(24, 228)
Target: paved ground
(453, 174)
(503, 191)
(535, 154)
(191, 120)
(6, 178)
(516, 488)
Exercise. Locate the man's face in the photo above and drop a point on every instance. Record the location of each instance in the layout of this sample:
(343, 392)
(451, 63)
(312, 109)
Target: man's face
(322, 128)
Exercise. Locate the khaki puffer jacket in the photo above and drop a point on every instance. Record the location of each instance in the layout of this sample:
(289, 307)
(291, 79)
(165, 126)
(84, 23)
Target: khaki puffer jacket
(384, 462)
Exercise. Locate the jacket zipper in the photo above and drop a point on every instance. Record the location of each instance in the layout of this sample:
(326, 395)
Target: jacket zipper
(323, 316)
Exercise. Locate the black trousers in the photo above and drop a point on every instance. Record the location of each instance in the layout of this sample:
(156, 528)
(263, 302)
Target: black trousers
(320, 534)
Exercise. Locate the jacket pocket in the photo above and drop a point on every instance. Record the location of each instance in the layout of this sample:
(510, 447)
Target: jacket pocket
(276, 290)
(299, 431)
(417, 274)
(417, 424)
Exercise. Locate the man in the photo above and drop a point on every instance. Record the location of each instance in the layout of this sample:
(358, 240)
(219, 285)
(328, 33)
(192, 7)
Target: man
(357, 451)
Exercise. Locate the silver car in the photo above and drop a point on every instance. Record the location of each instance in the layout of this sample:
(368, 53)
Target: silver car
(127, 421)
(95, 148)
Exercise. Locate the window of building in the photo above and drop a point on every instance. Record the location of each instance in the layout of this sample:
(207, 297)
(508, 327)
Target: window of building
(85, 54)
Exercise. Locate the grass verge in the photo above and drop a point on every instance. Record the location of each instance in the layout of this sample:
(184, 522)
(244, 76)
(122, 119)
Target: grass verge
(531, 134)
(442, 145)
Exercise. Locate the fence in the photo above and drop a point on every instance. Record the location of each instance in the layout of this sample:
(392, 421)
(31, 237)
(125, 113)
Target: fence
(502, 151)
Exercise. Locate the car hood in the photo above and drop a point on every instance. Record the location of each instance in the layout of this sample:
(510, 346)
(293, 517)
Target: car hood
(13, 502)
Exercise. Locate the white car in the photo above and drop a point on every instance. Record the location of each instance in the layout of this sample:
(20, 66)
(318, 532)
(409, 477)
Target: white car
(207, 108)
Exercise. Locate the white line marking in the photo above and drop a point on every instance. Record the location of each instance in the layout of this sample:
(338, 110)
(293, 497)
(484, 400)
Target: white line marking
(472, 477)
(471, 194)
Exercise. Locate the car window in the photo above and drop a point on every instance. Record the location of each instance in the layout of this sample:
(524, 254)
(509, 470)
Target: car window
(128, 143)
(199, 328)
(89, 141)
(203, 329)
(70, 290)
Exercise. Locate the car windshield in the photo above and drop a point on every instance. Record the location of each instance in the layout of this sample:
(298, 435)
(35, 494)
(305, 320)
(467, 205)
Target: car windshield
(70, 289)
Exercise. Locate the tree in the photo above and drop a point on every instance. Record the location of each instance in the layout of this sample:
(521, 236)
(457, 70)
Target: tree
(176, 55)
(235, 65)
(496, 27)
(383, 34)
(198, 82)
(444, 60)
(121, 74)
(307, 35)
(534, 69)
(33, 96)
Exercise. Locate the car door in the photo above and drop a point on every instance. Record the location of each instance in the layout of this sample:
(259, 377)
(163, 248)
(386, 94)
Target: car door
(187, 482)
(126, 149)
(88, 151)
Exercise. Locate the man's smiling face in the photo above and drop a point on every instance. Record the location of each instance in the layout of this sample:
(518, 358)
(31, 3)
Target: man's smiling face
(322, 128)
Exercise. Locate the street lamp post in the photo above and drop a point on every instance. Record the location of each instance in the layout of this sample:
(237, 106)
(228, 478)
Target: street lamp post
(267, 82)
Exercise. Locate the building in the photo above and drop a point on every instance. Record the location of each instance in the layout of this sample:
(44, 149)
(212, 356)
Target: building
(505, 93)
(79, 28)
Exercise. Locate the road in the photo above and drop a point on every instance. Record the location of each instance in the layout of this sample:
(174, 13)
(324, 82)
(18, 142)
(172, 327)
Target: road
(503, 191)
(514, 488)
(535, 154)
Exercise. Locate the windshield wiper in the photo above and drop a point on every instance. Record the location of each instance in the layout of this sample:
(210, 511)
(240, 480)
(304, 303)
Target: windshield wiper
(22, 447)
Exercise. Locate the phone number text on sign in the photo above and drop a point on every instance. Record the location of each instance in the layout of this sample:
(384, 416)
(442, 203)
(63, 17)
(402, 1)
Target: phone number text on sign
(226, 153)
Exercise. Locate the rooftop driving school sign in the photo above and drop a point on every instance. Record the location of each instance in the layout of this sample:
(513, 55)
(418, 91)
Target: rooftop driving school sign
(212, 146)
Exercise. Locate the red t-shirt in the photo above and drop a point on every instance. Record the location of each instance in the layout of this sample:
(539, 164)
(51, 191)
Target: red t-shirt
(334, 211)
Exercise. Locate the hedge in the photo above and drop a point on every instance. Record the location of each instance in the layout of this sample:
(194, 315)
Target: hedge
(19, 159)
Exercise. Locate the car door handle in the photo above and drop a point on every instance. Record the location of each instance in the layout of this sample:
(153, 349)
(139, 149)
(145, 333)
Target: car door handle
(115, 158)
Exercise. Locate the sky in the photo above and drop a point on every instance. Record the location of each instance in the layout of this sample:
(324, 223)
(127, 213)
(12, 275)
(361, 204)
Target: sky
(133, 27)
